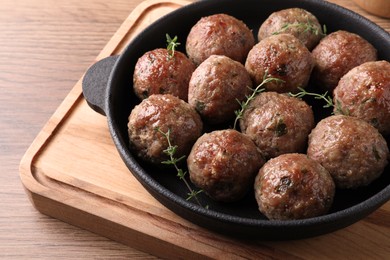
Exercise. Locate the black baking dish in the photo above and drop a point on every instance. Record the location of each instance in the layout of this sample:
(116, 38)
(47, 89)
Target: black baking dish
(108, 89)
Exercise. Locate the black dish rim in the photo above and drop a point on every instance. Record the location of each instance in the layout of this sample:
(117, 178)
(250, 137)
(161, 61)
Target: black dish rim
(217, 221)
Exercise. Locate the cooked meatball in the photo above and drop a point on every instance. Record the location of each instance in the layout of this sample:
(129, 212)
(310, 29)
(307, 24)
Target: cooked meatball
(364, 92)
(280, 56)
(224, 164)
(215, 87)
(336, 54)
(352, 150)
(157, 73)
(293, 186)
(296, 21)
(277, 123)
(162, 113)
(219, 34)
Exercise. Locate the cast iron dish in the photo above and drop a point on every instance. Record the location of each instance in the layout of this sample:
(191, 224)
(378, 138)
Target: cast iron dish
(108, 90)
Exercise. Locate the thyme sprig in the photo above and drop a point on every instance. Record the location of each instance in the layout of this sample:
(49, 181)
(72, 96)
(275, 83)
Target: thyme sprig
(172, 44)
(244, 104)
(307, 27)
(328, 100)
(171, 151)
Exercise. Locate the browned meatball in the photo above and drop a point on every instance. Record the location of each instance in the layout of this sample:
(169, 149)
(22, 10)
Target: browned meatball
(277, 123)
(280, 56)
(156, 73)
(162, 112)
(224, 164)
(215, 87)
(296, 21)
(364, 92)
(336, 54)
(292, 186)
(353, 151)
(219, 34)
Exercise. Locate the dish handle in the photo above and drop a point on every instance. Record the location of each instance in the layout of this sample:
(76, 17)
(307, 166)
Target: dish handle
(95, 83)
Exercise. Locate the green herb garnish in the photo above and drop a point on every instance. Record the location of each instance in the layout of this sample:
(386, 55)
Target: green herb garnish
(306, 27)
(328, 100)
(171, 45)
(170, 151)
(244, 104)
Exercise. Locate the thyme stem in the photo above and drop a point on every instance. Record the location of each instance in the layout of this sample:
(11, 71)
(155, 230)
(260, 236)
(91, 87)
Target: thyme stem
(328, 100)
(171, 45)
(307, 27)
(244, 104)
(170, 151)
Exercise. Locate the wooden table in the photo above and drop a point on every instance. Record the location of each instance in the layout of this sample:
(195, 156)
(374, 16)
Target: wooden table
(45, 48)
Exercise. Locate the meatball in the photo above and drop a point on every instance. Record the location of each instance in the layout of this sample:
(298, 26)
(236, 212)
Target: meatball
(296, 21)
(336, 54)
(162, 113)
(277, 123)
(364, 92)
(219, 34)
(224, 164)
(280, 56)
(215, 87)
(157, 73)
(293, 186)
(352, 150)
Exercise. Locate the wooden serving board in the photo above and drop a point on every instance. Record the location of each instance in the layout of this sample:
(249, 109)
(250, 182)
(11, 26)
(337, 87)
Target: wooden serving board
(73, 172)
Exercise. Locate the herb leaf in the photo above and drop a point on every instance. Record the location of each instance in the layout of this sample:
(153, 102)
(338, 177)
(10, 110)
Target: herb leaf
(306, 27)
(171, 45)
(170, 151)
(244, 104)
(328, 100)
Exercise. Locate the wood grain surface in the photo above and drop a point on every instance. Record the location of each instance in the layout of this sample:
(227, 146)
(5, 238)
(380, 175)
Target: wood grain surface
(46, 46)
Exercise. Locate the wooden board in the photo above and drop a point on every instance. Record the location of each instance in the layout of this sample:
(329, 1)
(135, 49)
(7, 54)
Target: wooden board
(73, 172)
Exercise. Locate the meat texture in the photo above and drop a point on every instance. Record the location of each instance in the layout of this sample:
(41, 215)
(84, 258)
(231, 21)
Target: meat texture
(295, 21)
(159, 114)
(219, 34)
(216, 86)
(293, 186)
(278, 123)
(224, 164)
(336, 54)
(364, 92)
(156, 72)
(352, 150)
(280, 56)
